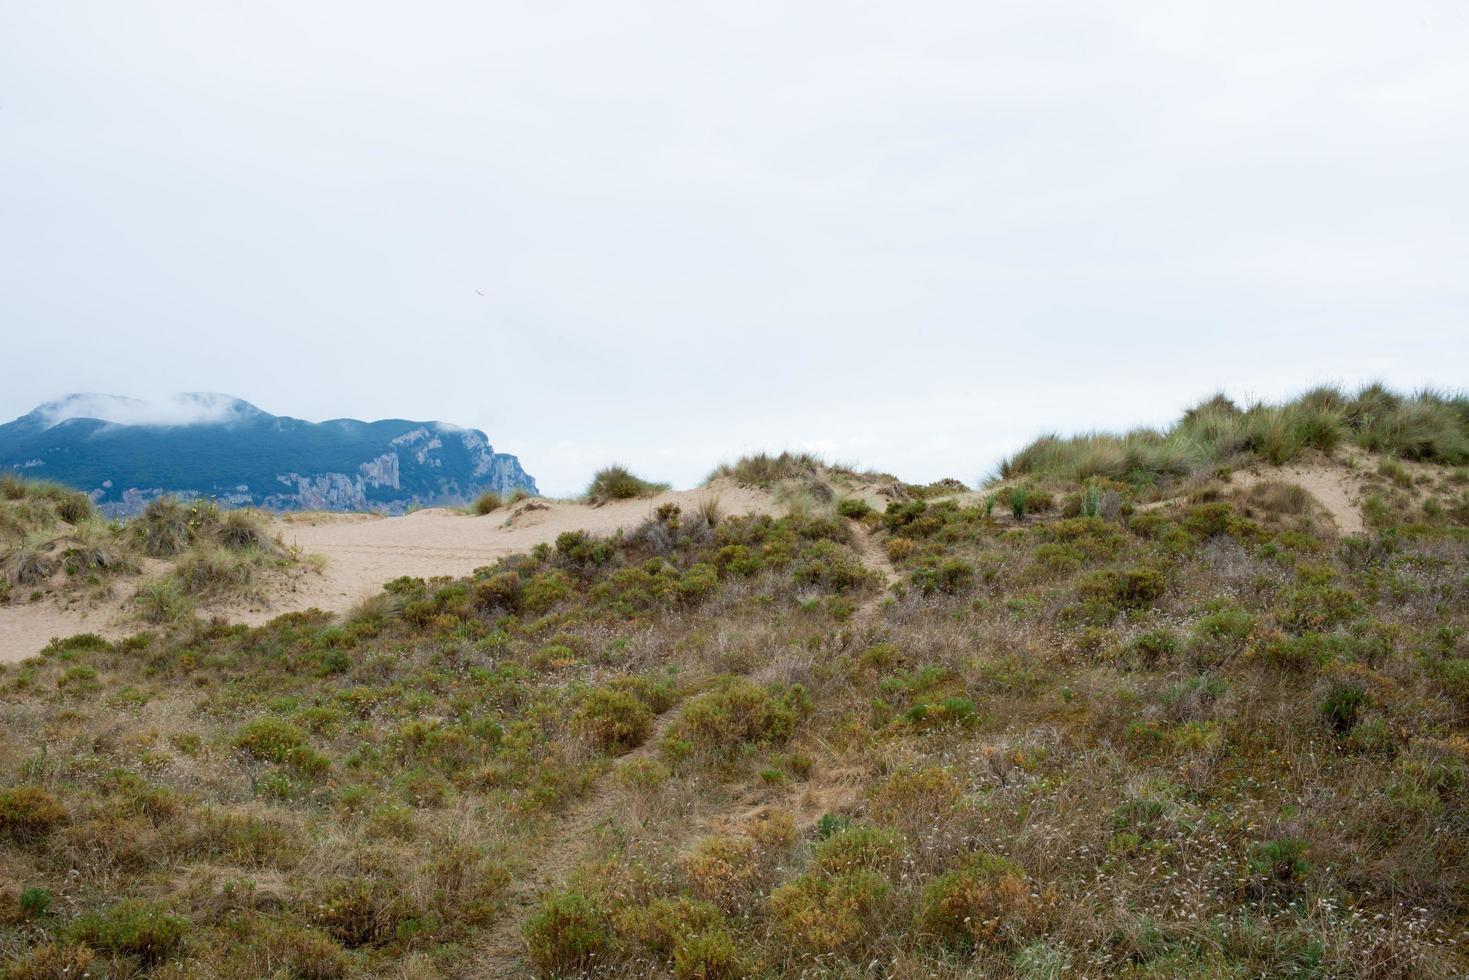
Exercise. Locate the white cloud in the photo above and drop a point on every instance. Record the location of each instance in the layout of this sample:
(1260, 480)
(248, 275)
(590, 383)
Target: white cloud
(195, 408)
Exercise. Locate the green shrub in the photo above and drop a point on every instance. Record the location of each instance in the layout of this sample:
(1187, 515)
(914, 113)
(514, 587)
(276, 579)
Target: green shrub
(829, 565)
(612, 720)
(486, 503)
(270, 739)
(131, 927)
(35, 902)
(736, 712)
(162, 601)
(1342, 704)
(1279, 860)
(710, 955)
(854, 508)
(360, 911)
(568, 934)
(1221, 634)
(1428, 426)
(949, 576)
(1019, 501)
(870, 848)
(1154, 648)
(1120, 589)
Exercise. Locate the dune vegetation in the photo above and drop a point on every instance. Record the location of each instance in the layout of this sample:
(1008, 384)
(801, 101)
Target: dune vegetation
(1059, 729)
(617, 482)
(53, 542)
(1427, 426)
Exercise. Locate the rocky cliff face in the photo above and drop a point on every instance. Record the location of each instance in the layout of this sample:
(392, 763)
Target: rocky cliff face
(124, 453)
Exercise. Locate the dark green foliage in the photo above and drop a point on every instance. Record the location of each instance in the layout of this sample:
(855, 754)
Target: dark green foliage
(270, 739)
(35, 902)
(735, 712)
(1343, 704)
(830, 566)
(1279, 860)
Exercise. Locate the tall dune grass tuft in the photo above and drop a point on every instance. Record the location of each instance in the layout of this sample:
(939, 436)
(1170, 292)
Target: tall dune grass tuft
(763, 469)
(617, 482)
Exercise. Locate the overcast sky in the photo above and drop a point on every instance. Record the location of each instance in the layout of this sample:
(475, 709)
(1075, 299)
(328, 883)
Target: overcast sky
(909, 235)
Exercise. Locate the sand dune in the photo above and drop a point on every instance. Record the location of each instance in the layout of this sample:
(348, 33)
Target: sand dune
(363, 551)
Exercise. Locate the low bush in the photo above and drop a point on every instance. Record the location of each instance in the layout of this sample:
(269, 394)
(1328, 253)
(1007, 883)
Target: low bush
(270, 739)
(614, 721)
(819, 914)
(1114, 590)
(28, 811)
(131, 927)
(735, 713)
(870, 848)
(986, 901)
(569, 935)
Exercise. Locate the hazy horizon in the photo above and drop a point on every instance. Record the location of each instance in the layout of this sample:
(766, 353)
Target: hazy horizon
(668, 236)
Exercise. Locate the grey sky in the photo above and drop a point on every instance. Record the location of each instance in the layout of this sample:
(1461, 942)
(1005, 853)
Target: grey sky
(908, 235)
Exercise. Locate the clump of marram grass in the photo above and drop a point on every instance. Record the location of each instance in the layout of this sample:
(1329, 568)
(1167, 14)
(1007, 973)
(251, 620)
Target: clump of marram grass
(763, 469)
(617, 482)
(162, 601)
(166, 527)
(31, 508)
(486, 503)
(709, 508)
(28, 566)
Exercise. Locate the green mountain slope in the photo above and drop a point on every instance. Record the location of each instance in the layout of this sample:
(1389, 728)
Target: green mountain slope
(231, 451)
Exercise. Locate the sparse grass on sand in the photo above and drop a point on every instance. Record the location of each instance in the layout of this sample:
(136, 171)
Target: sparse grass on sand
(51, 537)
(491, 501)
(1209, 737)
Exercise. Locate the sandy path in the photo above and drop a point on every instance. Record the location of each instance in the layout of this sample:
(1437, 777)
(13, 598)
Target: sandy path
(362, 552)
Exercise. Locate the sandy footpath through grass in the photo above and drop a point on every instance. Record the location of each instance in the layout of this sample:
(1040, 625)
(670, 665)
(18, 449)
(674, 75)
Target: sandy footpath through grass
(363, 551)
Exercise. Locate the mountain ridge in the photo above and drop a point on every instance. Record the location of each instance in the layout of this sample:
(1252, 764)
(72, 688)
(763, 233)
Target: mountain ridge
(123, 452)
